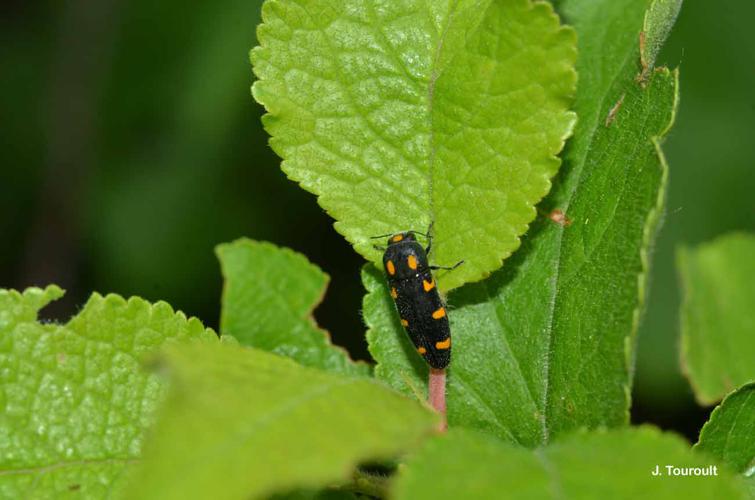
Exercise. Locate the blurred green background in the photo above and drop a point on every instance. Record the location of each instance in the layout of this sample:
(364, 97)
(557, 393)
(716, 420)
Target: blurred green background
(131, 146)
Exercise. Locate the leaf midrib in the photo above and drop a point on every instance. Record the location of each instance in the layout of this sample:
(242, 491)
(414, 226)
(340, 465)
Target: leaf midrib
(239, 438)
(435, 73)
(520, 373)
(551, 472)
(64, 463)
(352, 101)
(557, 264)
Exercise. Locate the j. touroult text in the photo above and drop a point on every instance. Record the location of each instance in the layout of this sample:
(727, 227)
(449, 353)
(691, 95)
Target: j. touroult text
(672, 470)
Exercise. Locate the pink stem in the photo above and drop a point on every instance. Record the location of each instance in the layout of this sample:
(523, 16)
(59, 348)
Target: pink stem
(437, 396)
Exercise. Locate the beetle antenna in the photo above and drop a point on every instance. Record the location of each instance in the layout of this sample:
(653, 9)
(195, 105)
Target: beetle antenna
(381, 236)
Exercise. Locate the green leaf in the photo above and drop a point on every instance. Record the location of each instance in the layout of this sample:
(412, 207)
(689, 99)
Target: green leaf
(545, 345)
(718, 280)
(242, 423)
(316, 495)
(268, 299)
(404, 113)
(599, 465)
(729, 434)
(659, 20)
(74, 400)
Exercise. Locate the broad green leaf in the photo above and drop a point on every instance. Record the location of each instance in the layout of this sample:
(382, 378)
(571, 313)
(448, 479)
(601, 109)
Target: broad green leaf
(545, 345)
(599, 465)
(241, 423)
(729, 434)
(398, 114)
(718, 280)
(268, 299)
(75, 402)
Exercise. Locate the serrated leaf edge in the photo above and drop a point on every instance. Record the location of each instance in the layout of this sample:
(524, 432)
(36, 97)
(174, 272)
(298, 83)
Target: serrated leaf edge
(749, 386)
(309, 315)
(495, 262)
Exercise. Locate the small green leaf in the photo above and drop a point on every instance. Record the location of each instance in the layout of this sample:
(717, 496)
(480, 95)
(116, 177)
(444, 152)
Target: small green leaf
(729, 434)
(399, 114)
(659, 19)
(242, 423)
(268, 299)
(545, 345)
(718, 281)
(74, 400)
(599, 465)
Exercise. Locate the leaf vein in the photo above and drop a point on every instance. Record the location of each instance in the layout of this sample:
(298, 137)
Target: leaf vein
(558, 263)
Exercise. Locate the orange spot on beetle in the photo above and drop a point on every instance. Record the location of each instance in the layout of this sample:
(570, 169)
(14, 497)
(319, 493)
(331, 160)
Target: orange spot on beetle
(443, 344)
(428, 285)
(441, 312)
(390, 267)
(421, 350)
(394, 293)
(404, 322)
(412, 262)
(397, 237)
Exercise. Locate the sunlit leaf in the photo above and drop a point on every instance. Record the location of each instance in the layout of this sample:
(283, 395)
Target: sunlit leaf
(398, 114)
(241, 423)
(75, 402)
(599, 465)
(268, 298)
